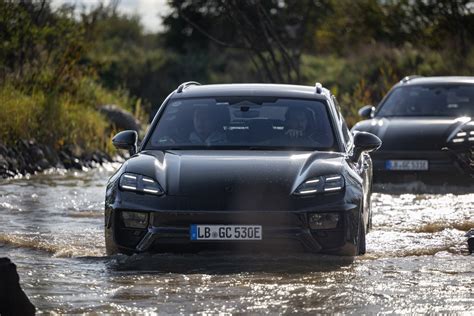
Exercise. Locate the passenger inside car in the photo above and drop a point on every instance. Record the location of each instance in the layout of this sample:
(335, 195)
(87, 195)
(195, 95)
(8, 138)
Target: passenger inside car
(301, 128)
(298, 122)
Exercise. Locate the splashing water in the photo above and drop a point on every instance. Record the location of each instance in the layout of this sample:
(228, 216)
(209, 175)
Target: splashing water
(52, 228)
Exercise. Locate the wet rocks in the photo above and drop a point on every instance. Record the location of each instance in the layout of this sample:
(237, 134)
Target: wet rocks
(13, 301)
(28, 157)
(51, 156)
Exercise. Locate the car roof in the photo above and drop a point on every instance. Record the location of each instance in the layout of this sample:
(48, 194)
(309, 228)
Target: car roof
(436, 80)
(252, 89)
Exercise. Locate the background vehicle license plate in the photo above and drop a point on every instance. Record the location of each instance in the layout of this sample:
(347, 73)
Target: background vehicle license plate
(406, 165)
(226, 232)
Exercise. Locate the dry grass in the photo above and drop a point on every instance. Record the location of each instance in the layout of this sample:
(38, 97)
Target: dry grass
(57, 119)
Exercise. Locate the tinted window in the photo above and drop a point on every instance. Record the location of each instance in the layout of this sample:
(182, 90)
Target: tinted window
(243, 122)
(346, 133)
(430, 100)
(345, 130)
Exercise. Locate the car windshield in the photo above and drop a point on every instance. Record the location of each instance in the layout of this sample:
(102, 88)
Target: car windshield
(430, 100)
(243, 123)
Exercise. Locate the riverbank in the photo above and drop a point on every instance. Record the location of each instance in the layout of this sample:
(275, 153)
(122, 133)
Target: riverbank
(30, 157)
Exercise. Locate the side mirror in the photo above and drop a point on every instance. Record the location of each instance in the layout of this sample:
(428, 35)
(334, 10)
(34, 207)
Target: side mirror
(364, 142)
(126, 140)
(367, 111)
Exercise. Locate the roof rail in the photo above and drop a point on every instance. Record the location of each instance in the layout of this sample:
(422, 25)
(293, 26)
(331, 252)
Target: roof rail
(408, 78)
(319, 88)
(187, 84)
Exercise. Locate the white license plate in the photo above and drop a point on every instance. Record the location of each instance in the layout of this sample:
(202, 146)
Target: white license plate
(406, 165)
(226, 232)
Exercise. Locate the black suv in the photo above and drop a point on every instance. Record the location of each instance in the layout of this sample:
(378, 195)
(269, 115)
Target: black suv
(242, 167)
(427, 128)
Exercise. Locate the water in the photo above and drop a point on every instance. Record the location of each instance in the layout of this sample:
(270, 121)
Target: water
(417, 260)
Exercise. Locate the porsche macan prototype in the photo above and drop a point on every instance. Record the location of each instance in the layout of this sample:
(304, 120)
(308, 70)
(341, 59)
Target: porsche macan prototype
(427, 129)
(242, 167)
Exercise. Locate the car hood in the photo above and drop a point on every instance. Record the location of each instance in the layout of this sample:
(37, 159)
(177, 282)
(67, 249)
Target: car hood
(241, 174)
(412, 133)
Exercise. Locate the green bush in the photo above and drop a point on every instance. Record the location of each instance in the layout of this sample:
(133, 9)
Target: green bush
(92, 94)
(54, 120)
(19, 114)
(81, 125)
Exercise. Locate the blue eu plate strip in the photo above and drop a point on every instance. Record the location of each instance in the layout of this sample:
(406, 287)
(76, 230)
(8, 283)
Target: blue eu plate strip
(193, 232)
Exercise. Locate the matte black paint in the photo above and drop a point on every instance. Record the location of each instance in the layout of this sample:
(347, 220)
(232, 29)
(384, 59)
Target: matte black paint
(241, 187)
(425, 138)
(126, 140)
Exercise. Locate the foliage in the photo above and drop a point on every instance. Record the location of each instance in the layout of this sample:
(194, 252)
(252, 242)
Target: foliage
(272, 33)
(58, 65)
(48, 90)
(19, 114)
(27, 116)
(359, 49)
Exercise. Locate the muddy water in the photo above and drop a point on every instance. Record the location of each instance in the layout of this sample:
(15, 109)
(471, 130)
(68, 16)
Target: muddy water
(417, 261)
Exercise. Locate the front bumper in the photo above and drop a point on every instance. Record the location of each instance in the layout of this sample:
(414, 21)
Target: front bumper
(169, 231)
(447, 165)
(166, 236)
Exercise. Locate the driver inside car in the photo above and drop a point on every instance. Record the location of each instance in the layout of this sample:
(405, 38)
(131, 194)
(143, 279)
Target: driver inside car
(206, 128)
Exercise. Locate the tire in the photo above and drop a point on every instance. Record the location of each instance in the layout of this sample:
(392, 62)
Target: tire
(370, 225)
(110, 247)
(369, 222)
(361, 241)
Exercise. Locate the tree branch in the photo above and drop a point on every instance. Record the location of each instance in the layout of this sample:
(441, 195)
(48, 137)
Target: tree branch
(207, 34)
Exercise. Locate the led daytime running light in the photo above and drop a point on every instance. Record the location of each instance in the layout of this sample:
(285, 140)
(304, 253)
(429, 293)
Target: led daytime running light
(139, 183)
(330, 183)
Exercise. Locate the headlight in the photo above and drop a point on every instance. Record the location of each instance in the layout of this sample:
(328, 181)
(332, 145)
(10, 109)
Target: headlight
(135, 219)
(310, 187)
(463, 136)
(331, 183)
(139, 183)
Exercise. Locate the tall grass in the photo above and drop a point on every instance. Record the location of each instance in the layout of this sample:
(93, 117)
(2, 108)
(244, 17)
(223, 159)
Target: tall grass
(58, 119)
(19, 114)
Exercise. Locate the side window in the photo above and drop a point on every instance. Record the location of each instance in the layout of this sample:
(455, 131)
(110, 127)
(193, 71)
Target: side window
(346, 133)
(338, 107)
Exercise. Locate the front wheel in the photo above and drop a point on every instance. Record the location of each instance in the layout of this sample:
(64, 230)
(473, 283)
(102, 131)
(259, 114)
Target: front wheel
(369, 210)
(361, 242)
(110, 247)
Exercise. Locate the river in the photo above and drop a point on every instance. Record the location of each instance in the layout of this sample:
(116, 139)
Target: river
(416, 261)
